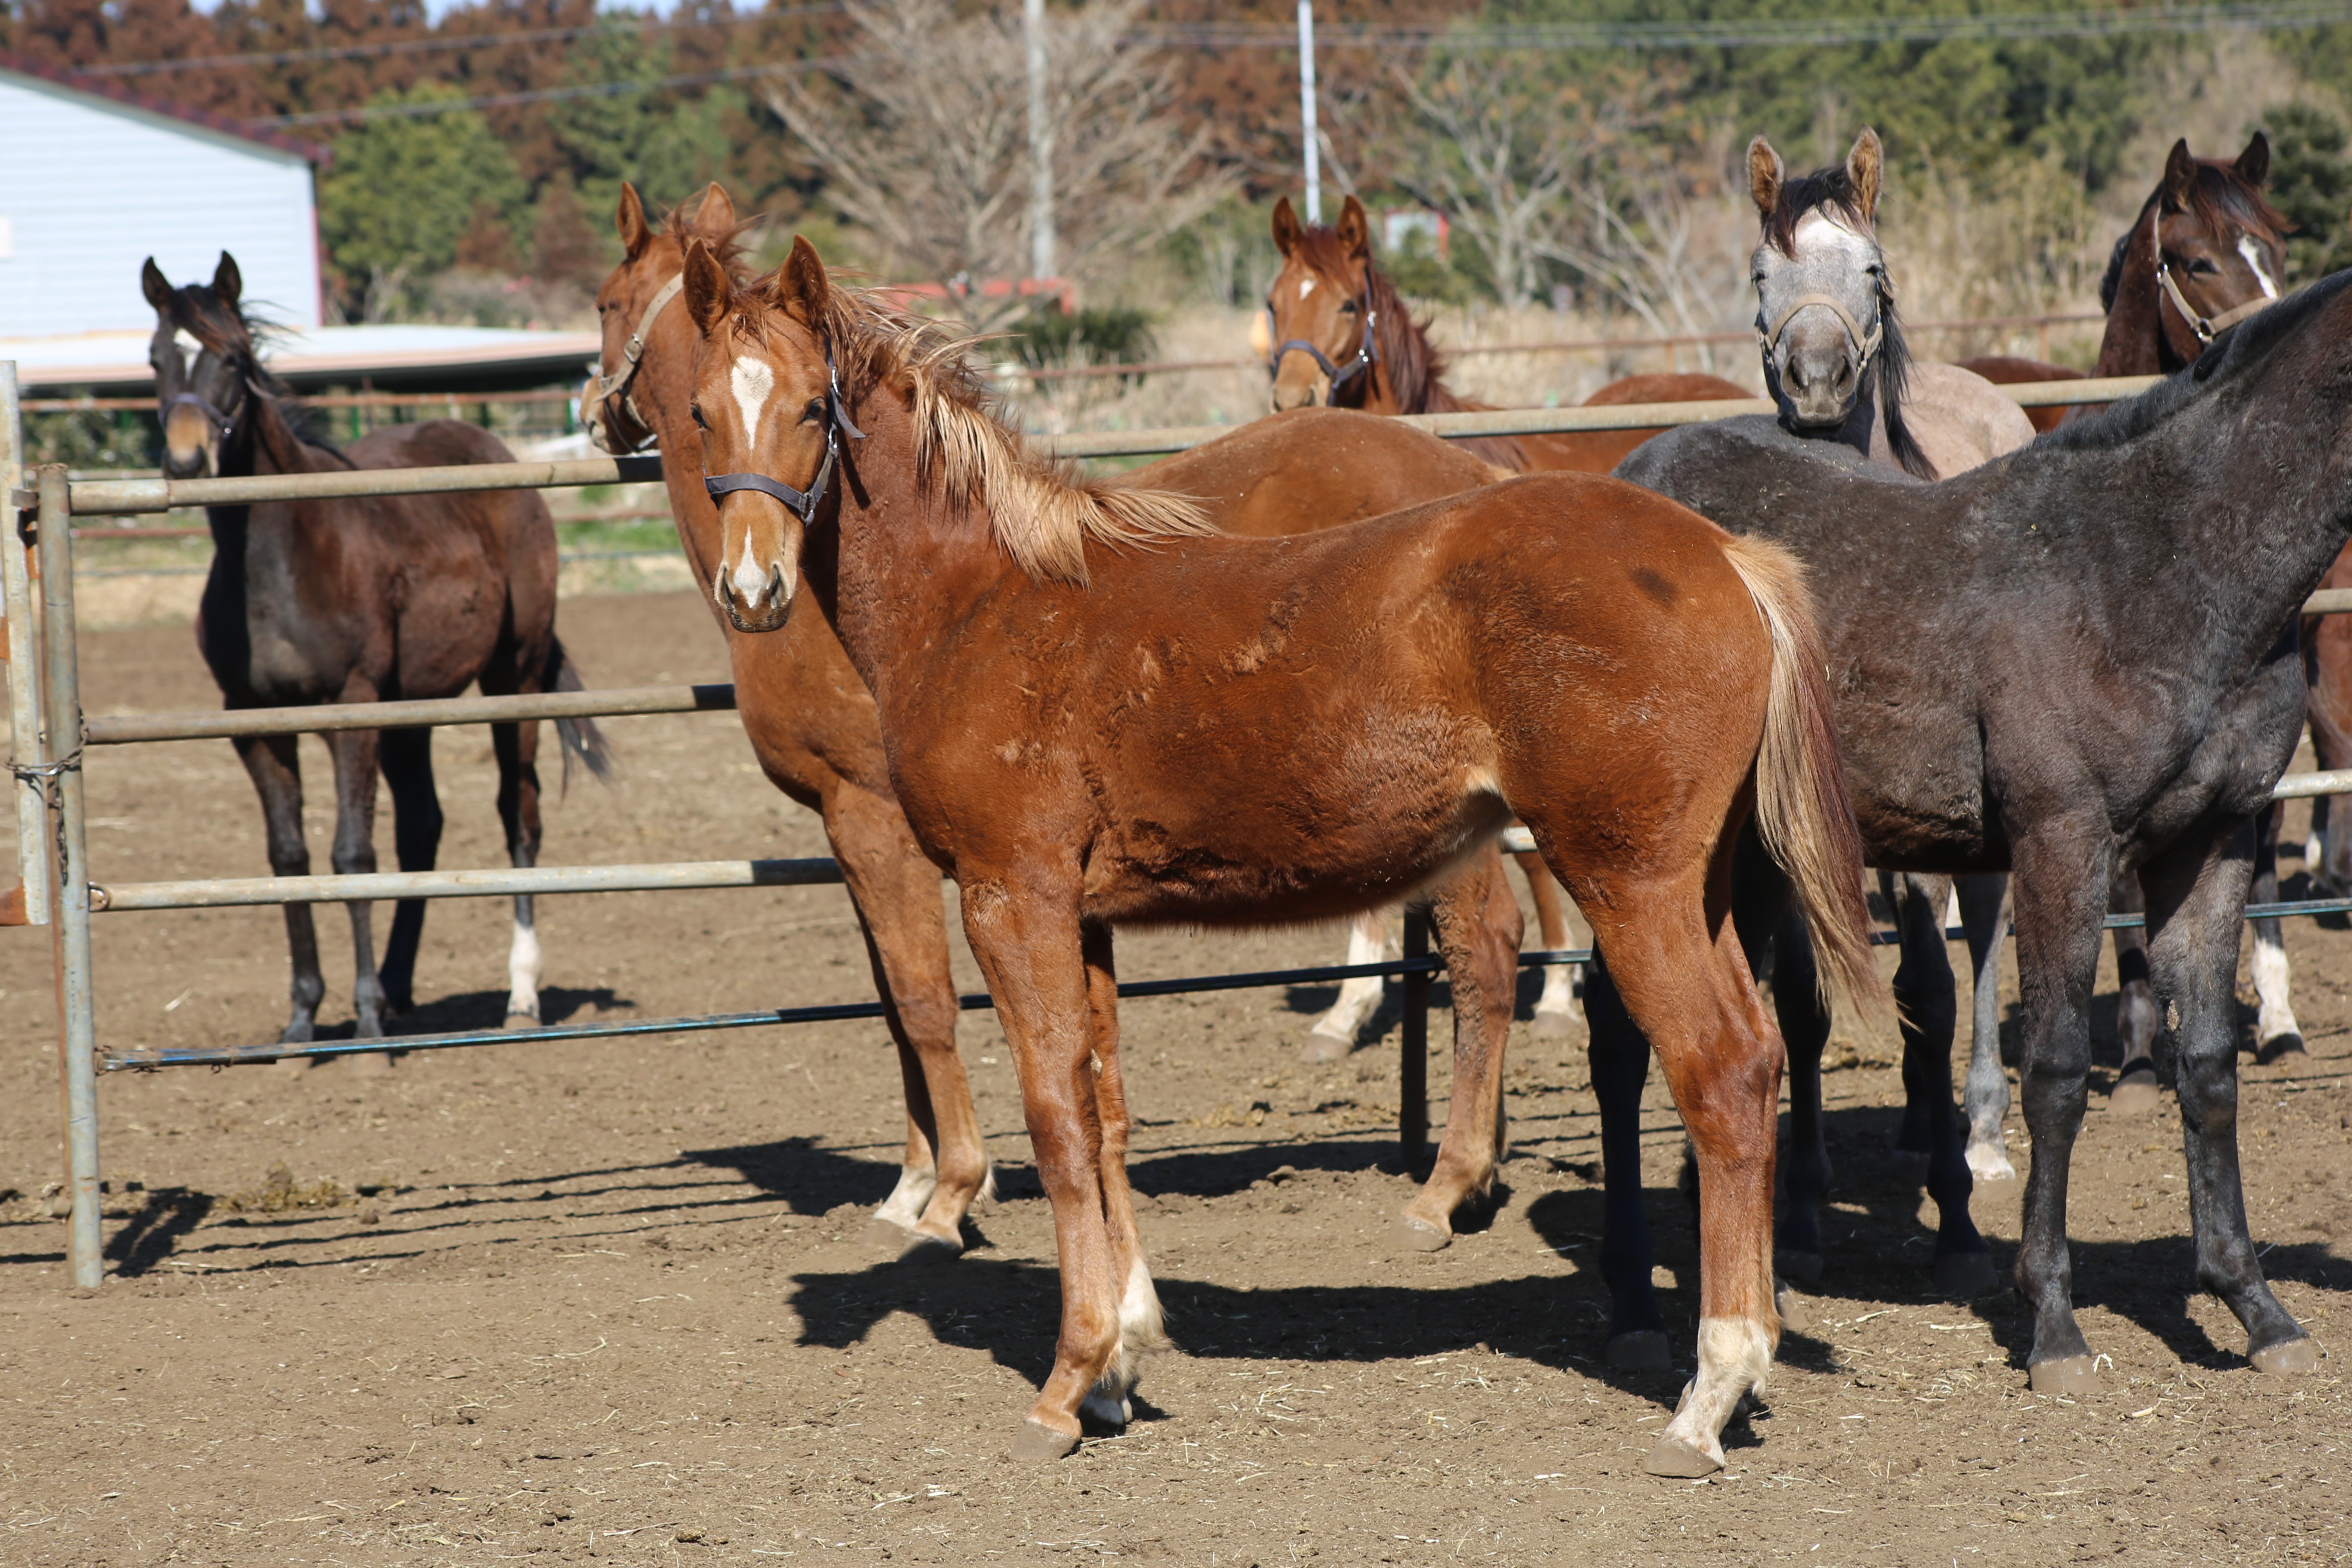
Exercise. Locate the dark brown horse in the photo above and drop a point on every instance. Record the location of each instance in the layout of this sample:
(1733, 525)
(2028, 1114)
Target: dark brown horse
(1075, 683)
(1341, 336)
(814, 729)
(363, 600)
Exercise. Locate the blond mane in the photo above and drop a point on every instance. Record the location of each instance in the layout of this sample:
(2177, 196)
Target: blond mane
(1043, 511)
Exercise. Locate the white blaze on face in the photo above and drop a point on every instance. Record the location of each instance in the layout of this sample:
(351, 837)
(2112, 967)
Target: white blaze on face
(2253, 255)
(183, 340)
(1305, 286)
(753, 381)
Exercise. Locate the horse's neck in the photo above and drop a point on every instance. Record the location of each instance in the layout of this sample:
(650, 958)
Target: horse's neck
(904, 569)
(663, 396)
(263, 444)
(2134, 342)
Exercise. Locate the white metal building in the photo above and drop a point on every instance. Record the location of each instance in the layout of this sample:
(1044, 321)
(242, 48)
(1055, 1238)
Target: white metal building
(99, 179)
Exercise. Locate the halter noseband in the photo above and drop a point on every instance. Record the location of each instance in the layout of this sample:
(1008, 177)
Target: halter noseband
(803, 503)
(2206, 328)
(1866, 343)
(1367, 356)
(603, 388)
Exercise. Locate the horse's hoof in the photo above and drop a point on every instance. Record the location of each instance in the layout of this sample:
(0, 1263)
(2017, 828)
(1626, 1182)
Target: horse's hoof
(1989, 1163)
(2136, 1093)
(1794, 1318)
(1911, 1167)
(1323, 1047)
(2288, 1358)
(520, 1021)
(1678, 1460)
(1803, 1267)
(1035, 1442)
(2279, 1046)
(1965, 1276)
(1413, 1234)
(1104, 1411)
(907, 1244)
(2071, 1374)
(369, 1064)
(1642, 1350)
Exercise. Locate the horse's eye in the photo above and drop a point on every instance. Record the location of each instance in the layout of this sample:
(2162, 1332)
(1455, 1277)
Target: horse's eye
(2199, 266)
(813, 412)
(1346, 306)
(695, 409)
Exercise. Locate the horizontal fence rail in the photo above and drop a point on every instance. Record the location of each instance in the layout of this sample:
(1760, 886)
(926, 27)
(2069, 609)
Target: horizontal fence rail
(230, 892)
(616, 702)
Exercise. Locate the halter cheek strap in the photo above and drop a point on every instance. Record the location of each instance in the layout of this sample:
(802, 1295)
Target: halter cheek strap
(604, 388)
(2206, 328)
(1367, 356)
(1867, 343)
(803, 503)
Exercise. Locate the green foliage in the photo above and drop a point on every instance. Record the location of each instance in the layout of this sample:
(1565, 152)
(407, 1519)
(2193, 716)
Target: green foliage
(2311, 181)
(404, 190)
(669, 146)
(1107, 334)
(117, 438)
(1420, 273)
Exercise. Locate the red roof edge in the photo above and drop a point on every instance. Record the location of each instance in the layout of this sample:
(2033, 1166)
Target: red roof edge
(101, 86)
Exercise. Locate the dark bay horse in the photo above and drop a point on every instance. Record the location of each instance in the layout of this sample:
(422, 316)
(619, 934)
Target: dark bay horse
(813, 727)
(1075, 682)
(2148, 567)
(1339, 335)
(362, 600)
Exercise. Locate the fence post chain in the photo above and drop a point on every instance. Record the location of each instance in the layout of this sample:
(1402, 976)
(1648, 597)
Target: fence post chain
(77, 1029)
(1413, 1070)
(23, 653)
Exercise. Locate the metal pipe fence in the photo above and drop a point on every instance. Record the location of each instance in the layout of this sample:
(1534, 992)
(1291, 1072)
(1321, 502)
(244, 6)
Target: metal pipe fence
(51, 734)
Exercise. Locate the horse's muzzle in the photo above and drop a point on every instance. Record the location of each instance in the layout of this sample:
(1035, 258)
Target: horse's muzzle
(766, 610)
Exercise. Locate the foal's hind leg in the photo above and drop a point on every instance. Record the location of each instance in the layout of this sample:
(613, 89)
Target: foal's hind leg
(1926, 995)
(274, 763)
(1334, 1035)
(517, 748)
(896, 892)
(1984, 912)
(1557, 1017)
(1926, 1001)
(2135, 1092)
(406, 756)
(1139, 1322)
(2276, 1033)
(1478, 930)
(355, 854)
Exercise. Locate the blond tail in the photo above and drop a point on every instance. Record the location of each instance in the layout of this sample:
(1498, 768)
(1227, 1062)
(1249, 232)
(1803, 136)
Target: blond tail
(1801, 807)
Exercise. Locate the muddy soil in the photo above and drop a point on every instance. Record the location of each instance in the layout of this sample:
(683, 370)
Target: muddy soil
(609, 1301)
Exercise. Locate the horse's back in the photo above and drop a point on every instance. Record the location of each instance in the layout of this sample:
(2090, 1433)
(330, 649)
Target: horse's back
(1311, 468)
(2014, 370)
(1960, 419)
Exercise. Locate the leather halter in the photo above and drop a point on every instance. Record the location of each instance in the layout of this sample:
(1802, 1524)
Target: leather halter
(1867, 343)
(219, 421)
(803, 503)
(1367, 356)
(2206, 328)
(603, 388)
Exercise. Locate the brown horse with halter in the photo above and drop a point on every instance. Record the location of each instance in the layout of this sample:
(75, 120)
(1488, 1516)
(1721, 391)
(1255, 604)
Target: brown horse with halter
(362, 600)
(1075, 682)
(1338, 334)
(813, 727)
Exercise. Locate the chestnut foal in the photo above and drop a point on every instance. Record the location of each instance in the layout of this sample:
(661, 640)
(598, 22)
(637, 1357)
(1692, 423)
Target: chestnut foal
(1075, 682)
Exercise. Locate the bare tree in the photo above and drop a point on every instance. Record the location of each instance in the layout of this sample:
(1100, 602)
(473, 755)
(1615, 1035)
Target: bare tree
(923, 134)
(1492, 148)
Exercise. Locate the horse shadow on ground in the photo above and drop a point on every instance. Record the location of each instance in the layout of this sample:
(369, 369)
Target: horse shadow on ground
(488, 1010)
(155, 1230)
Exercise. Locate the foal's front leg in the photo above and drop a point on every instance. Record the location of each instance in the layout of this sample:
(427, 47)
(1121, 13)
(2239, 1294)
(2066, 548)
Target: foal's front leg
(1031, 946)
(1557, 1014)
(1984, 912)
(1333, 1034)
(1478, 930)
(274, 762)
(2197, 897)
(1926, 1002)
(355, 854)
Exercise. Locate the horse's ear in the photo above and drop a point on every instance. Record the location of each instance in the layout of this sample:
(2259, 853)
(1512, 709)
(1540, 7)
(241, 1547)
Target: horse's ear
(1285, 227)
(1865, 170)
(710, 292)
(2179, 174)
(2253, 164)
(715, 214)
(1355, 228)
(1765, 173)
(155, 285)
(228, 282)
(801, 283)
(631, 221)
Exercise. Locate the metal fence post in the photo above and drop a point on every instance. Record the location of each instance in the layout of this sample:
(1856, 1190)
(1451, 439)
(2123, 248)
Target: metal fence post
(1412, 1071)
(22, 655)
(76, 1027)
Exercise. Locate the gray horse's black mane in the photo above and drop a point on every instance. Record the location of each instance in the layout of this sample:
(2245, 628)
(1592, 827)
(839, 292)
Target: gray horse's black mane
(2234, 355)
(1832, 188)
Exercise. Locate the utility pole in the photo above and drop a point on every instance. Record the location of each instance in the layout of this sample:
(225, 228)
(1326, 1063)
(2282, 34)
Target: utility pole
(1041, 146)
(1306, 108)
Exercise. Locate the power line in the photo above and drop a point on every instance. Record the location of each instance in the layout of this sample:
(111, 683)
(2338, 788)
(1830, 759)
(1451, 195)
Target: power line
(432, 46)
(1767, 31)
(432, 106)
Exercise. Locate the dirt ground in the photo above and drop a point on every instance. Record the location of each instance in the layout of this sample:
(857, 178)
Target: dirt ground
(609, 1301)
